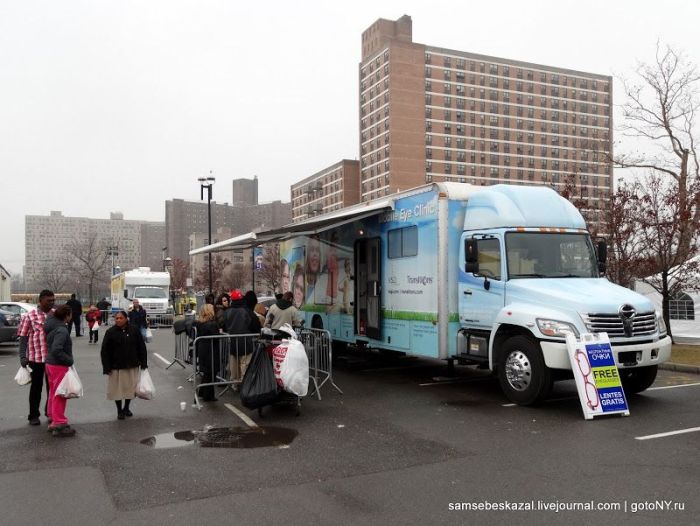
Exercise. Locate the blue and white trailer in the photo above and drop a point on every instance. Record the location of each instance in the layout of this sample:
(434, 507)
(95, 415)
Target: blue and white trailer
(496, 276)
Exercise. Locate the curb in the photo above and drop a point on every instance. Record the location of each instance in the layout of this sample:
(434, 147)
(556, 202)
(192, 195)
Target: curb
(680, 367)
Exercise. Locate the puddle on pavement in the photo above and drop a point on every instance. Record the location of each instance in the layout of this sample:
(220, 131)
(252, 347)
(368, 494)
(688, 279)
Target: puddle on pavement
(225, 437)
(177, 439)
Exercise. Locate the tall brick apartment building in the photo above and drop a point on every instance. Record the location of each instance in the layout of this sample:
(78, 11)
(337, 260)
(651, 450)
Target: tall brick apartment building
(433, 114)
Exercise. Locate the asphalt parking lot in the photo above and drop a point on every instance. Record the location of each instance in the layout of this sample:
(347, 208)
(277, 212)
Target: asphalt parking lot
(403, 444)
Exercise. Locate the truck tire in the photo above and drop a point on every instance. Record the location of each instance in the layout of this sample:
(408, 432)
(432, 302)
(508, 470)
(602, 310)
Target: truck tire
(522, 373)
(638, 379)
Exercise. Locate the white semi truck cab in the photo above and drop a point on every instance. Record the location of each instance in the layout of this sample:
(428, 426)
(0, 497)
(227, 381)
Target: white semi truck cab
(530, 274)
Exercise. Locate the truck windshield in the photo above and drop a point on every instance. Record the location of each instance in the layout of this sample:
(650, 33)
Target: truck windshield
(550, 255)
(149, 293)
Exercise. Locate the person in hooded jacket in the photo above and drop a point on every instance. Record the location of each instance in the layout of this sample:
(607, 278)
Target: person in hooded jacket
(239, 319)
(123, 352)
(222, 303)
(251, 302)
(58, 360)
(283, 312)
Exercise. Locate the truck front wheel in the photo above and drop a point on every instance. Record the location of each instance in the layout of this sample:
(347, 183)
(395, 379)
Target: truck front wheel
(638, 379)
(522, 373)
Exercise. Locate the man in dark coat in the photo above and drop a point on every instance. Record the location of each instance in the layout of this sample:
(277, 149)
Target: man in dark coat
(77, 310)
(138, 317)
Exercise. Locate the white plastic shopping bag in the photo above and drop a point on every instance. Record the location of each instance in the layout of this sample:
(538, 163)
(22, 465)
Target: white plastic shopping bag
(145, 388)
(23, 376)
(149, 336)
(70, 386)
(291, 367)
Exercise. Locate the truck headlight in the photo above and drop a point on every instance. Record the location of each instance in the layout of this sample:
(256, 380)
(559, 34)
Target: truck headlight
(556, 329)
(661, 322)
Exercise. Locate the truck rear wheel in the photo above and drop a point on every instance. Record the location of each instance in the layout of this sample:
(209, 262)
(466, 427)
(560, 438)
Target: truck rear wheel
(522, 373)
(638, 379)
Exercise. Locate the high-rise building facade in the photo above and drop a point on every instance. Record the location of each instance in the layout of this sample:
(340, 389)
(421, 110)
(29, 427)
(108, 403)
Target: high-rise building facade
(433, 114)
(48, 239)
(245, 192)
(334, 187)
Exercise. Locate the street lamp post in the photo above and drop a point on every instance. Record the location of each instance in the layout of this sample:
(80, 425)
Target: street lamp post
(208, 183)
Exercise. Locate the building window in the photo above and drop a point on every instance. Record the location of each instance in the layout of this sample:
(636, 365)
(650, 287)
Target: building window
(681, 307)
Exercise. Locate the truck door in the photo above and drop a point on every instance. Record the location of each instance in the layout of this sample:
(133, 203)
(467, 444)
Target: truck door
(482, 295)
(368, 275)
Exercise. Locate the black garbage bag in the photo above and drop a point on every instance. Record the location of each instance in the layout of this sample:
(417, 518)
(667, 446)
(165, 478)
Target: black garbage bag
(259, 387)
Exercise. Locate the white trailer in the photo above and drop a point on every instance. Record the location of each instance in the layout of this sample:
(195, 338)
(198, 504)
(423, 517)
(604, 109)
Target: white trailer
(152, 289)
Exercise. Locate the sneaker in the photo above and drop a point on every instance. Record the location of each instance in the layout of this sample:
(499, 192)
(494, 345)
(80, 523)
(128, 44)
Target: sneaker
(63, 431)
(34, 421)
(127, 412)
(121, 415)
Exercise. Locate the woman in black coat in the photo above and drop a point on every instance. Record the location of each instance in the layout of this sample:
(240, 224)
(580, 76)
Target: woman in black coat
(207, 352)
(123, 352)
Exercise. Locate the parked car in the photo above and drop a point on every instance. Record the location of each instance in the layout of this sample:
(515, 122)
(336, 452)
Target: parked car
(17, 307)
(9, 323)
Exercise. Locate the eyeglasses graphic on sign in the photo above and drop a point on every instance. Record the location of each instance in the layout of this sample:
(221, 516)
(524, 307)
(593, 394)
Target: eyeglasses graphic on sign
(585, 367)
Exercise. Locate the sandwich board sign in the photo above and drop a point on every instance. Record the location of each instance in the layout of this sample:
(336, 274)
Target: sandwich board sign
(597, 378)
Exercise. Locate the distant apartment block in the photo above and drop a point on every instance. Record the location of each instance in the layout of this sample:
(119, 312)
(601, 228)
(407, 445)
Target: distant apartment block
(334, 187)
(47, 239)
(245, 192)
(434, 114)
(184, 218)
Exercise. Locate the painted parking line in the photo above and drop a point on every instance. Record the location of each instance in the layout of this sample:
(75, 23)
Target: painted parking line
(673, 386)
(240, 414)
(166, 362)
(670, 433)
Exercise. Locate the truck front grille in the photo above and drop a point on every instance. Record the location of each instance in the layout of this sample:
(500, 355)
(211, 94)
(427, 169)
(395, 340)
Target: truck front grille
(643, 324)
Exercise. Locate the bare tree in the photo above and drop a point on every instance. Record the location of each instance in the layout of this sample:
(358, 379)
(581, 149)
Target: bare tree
(270, 273)
(661, 111)
(237, 276)
(180, 272)
(53, 277)
(657, 211)
(201, 278)
(88, 260)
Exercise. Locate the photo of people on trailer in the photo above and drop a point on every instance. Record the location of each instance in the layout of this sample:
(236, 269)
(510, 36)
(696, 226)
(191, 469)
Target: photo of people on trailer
(299, 288)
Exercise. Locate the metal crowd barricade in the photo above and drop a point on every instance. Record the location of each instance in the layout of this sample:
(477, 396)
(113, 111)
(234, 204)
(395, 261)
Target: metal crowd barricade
(183, 346)
(156, 321)
(220, 361)
(318, 345)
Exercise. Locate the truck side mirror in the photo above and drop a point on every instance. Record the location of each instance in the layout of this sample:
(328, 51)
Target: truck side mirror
(126, 293)
(602, 252)
(471, 254)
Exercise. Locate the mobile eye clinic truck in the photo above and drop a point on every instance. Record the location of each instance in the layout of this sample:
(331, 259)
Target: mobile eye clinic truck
(496, 276)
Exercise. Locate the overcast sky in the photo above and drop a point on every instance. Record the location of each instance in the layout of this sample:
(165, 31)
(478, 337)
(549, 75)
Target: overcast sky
(121, 105)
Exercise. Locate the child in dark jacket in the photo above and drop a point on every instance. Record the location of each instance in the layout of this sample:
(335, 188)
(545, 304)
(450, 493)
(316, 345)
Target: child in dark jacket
(58, 360)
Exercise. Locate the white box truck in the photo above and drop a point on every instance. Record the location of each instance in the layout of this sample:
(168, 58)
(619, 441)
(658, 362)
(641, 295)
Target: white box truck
(152, 289)
(496, 276)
